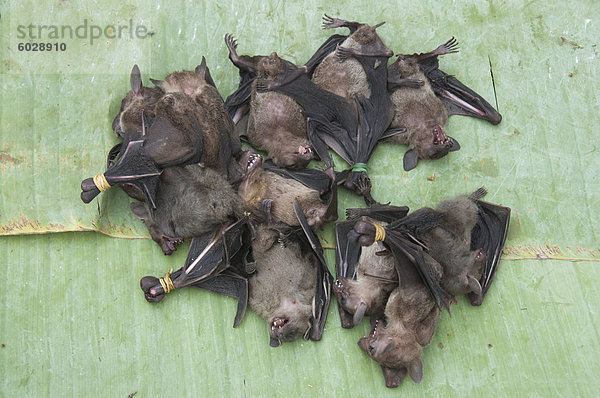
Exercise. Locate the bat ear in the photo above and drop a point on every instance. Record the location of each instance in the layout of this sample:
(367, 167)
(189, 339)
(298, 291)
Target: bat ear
(393, 376)
(204, 72)
(158, 83)
(135, 79)
(415, 370)
(410, 160)
(455, 145)
(474, 285)
(360, 313)
(139, 210)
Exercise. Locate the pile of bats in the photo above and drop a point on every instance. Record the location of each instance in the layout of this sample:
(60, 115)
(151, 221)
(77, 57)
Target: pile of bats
(252, 223)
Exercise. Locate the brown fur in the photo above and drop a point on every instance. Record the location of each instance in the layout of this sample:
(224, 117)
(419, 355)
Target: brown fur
(260, 185)
(450, 244)
(220, 140)
(190, 202)
(276, 123)
(368, 290)
(411, 318)
(137, 101)
(184, 137)
(277, 126)
(418, 110)
(283, 286)
(348, 78)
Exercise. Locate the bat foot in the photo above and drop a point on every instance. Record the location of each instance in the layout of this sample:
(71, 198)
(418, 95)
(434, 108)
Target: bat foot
(169, 244)
(153, 292)
(342, 53)
(331, 23)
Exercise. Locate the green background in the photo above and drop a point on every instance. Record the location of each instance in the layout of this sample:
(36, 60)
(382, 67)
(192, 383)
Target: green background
(73, 321)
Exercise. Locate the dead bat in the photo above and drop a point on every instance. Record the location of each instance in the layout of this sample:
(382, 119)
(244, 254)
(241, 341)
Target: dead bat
(423, 110)
(465, 235)
(347, 79)
(173, 137)
(291, 287)
(411, 312)
(128, 122)
(354, 67)
(333, 120)
(217, 261)
(268, 192)
(138, 100)
(367, 294)
(411, 319)
(276, 123)
(365, 275)
(191, 201)
(219, 137)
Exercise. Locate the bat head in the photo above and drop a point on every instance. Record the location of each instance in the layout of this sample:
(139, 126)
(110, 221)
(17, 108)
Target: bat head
(429, 143)
(250, 188)
(292, 323)
(293, 158)
(139, 99)
(270, 66)
(367, 41)
(394, 347)
(404, 66)
(464, 274)
(160, 230)
(250, 163)
(349, 298)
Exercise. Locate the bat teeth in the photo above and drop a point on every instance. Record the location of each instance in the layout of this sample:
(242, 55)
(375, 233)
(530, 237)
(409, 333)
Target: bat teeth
(252, 160)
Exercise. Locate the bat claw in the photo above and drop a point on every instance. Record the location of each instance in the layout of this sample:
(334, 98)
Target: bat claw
(328, 22)
(231, 42)
(262, 86)
(363, 185)
(342, 53)
(451, 46)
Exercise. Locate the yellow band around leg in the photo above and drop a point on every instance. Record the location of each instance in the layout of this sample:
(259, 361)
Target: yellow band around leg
(167, 283)
(101, 183)
(379, 233)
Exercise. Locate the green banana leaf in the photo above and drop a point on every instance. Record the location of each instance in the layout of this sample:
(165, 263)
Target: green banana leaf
(72, 318)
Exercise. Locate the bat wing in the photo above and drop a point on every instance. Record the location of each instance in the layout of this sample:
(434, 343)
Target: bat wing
(347, 254)
(211, 254)
(215, 262)
(489, 234)
(231, 285)
(404, 247)
(240, 97)
(169, 146)
(326, 48)
(347, 250)
(324, 278)
(322, 181)
(378, 108)
(134, 166)
(458, 98)
(312, 178)
(381, 212)
(401, 238)
(331, 119)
